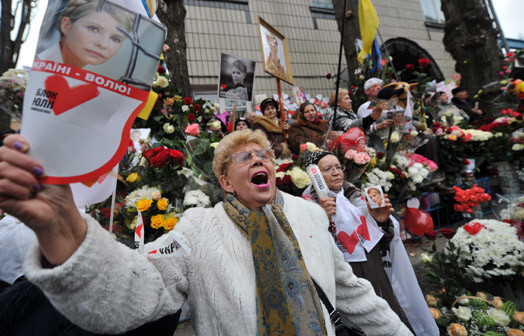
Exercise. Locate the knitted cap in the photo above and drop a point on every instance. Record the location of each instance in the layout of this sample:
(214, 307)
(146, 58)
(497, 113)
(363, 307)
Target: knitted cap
(315, 156)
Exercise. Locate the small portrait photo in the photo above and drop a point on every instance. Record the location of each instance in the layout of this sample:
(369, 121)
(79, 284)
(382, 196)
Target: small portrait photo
(375, 197)
(102, 37)
(274, 52)
(237, 78)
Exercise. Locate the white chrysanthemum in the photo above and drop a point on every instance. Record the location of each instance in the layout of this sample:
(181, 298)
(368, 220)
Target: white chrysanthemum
(196, 198)
(146, 192)
(395, 137)
(299, 177)
(168, 128)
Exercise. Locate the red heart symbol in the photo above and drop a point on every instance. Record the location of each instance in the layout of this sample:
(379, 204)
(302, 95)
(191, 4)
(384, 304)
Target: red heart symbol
(349, 242)
(363, 228)
(223, 87)
(69, 97)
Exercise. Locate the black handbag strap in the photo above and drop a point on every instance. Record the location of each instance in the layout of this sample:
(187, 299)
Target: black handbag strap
(333, 313)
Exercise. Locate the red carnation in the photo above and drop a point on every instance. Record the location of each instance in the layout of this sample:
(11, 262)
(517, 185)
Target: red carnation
(159, 160)
(423, 62)
(448, 233)
(430, 235)
(410, 67)
(187, 101)
(191, 117)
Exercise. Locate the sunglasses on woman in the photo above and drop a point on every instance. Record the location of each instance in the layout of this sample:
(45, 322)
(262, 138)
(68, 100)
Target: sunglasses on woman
(243, 157)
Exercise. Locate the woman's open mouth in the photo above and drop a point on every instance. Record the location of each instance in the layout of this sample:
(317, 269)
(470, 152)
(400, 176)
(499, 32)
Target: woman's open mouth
(260, 179)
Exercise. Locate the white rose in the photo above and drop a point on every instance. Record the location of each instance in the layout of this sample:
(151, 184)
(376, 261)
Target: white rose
(311, 146)
(395, 137)
(499, 316)
(426, 258)
(517, 147)
(185, 108)
(390, 175)
(463, 313)
(414, 133)
(161, 81)
(168, 128)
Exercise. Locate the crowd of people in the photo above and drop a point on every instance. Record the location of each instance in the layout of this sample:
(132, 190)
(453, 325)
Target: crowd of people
(256, 261)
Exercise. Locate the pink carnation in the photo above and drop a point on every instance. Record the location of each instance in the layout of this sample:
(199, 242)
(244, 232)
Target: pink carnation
(361, 158)
(350, 154)
(192, 129)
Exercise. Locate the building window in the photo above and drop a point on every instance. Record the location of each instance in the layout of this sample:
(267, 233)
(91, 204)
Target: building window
(321, 9)
(432, 11)
(241, 5)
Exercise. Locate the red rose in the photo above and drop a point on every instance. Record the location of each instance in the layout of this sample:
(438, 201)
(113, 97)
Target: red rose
(294, 157)
(159, 160)
(287, 179)
(466, 162)
(285, 166)
(148, 154)
(105, 212)
(161, 70)
(177, 156)
(197, 107)
(473, 228)
(448, 233)
(278, 182)
(380, 155)
(458, 207)
(423, 62)
(191, 117)
(328, 76)
(187, 101)
(430, 235)
(410, 67)
(467, 137)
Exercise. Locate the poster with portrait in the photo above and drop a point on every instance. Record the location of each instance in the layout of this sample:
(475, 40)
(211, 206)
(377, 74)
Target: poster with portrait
(237, 78)
(274, 52)
(93, 69)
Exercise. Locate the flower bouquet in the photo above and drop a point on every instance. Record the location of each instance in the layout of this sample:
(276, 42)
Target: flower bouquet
(355, 164)
(12, 87)
(290, 178)
(469, 198)
(479, 315)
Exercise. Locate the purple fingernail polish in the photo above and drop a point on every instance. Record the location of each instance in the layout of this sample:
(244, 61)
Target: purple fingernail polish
(37, 187)
(32, 195)
(37, 171)
(19, 145)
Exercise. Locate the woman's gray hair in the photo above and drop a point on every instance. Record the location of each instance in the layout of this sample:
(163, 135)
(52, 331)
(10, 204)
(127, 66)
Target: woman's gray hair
(77, 9)
(230, 144)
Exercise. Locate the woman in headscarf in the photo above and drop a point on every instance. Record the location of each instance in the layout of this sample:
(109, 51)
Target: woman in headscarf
(368, 236)
(269, 123)
(307, 128)
(247, 265)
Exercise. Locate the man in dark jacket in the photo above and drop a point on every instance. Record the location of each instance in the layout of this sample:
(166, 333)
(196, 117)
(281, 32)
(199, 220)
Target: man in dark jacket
(461, 100)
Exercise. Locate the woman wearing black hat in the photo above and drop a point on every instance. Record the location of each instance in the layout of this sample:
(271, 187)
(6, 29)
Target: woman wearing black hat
(269, 124)
(462, 101)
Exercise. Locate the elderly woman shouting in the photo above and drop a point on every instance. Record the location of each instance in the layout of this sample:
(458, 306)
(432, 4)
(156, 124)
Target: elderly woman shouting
(247, 270)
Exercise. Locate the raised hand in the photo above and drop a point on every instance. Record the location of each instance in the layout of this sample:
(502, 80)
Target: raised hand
(382, 214)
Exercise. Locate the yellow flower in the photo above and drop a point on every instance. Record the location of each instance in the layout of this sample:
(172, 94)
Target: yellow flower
(519, 317)
(162, 204)
(497, 302)
(143, 204)
(456, 329)
(170, 223)
(133, 177)
(515, 332)
(452, 137)
(431, 300)
(435, 313)
(158, 221)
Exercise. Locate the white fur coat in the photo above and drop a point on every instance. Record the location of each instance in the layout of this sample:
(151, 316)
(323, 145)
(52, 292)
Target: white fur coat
(108, 288)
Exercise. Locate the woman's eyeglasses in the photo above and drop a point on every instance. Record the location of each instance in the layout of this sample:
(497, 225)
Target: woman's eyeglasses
(330, 168)
(243, 157)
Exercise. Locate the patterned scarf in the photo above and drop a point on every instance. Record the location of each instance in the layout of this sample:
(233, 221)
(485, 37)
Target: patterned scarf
(287, 302)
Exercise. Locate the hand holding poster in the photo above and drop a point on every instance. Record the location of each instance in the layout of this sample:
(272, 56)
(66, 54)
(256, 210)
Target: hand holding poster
(91, 77)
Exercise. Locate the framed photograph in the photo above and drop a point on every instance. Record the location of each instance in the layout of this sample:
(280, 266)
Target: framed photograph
(375, 197)
(237, 78)
(274, 52)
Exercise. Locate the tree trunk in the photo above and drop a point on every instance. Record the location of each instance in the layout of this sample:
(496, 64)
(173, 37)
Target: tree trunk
(172, 13)
(351, 32)
(11, 47)
(469, 36)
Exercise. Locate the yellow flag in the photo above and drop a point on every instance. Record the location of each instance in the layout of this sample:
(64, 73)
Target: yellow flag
(368, 20)
(151, 100)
